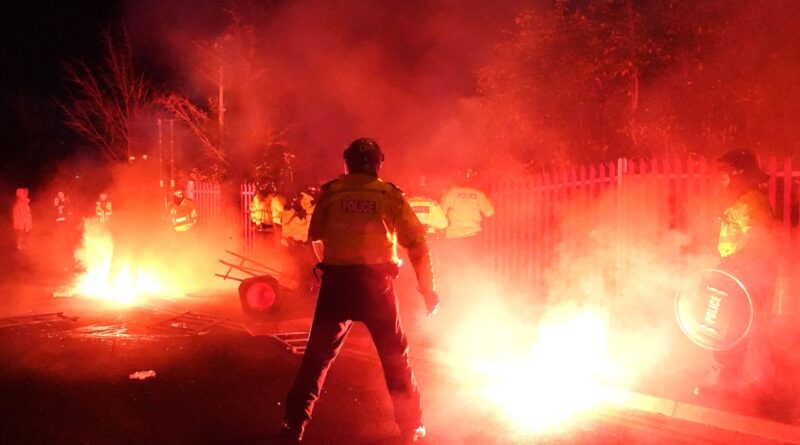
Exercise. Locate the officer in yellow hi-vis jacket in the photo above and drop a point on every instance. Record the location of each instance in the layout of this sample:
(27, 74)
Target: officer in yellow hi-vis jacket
(102, 208)
(429, 212)
(266, 208)
(744, 221)
(182, 211)
(465, 207)
(746, 249)
(360, 219)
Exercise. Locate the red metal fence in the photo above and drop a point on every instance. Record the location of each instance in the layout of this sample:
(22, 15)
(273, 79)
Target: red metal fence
(208, 198)
(560, 213)
(246, 193)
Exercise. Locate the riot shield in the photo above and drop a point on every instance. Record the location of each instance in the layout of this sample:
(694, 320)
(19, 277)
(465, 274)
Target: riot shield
(715, 310)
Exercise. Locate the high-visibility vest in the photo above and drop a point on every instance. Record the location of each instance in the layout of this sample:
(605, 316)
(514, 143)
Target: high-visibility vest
(102, 210)
(260, 210)
(741, 222)
(465, 207)
(183, 215)
(266, 209)
(360, 219)
(429, 212)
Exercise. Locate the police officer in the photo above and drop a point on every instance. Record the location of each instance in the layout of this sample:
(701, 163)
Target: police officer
(61, 206)
(358, 217)
(182, 211)
(266, 208)
(746, 251)
(64, 230)
(23, 221)
(465, 207)
(429, 212)
(102, 208)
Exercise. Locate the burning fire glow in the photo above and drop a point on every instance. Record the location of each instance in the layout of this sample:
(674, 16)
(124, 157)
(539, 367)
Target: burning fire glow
(558, 378)
(108, 278)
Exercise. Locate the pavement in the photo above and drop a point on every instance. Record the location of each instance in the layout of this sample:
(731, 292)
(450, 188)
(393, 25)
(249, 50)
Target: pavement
(66, 380)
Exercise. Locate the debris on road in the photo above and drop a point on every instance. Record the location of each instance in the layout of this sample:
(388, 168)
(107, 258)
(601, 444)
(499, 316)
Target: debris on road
(190, 323)
(27, 320)
(295, 342)
(142, 375)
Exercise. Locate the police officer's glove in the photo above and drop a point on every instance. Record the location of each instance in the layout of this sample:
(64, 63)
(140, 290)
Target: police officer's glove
(431, 300)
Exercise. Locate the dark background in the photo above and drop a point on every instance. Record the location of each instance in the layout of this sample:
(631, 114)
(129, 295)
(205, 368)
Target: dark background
(37, 37)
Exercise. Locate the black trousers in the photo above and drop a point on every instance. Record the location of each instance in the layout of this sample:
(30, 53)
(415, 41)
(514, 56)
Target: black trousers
(347, 294)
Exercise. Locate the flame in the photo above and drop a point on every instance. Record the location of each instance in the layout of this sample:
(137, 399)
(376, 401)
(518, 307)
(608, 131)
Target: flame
(126, 284)
(557, 378)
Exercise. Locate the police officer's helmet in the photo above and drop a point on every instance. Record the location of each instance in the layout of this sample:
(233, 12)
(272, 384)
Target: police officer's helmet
(266, 187)
(312, 190)
(363, 156)
(743, 162)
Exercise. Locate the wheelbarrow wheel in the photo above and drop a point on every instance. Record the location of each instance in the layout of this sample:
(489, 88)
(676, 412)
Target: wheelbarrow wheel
(260, 296)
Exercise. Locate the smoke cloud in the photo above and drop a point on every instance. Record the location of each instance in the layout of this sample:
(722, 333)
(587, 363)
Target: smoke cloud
(316, 75)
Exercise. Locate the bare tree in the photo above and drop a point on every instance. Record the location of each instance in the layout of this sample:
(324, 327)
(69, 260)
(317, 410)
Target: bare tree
(234, 124)
(196, 120)
(104, 100)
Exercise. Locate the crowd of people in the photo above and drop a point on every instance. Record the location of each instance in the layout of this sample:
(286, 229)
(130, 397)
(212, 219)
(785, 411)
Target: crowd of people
(457, 215)
(61, 223)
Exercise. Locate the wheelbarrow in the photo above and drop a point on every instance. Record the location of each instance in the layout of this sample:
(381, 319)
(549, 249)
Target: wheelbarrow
(260, 294)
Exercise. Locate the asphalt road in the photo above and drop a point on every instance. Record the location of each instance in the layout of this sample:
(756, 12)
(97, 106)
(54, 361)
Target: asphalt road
(67, 382)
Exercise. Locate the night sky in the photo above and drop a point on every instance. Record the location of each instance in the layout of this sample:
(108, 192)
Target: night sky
(37, 36)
